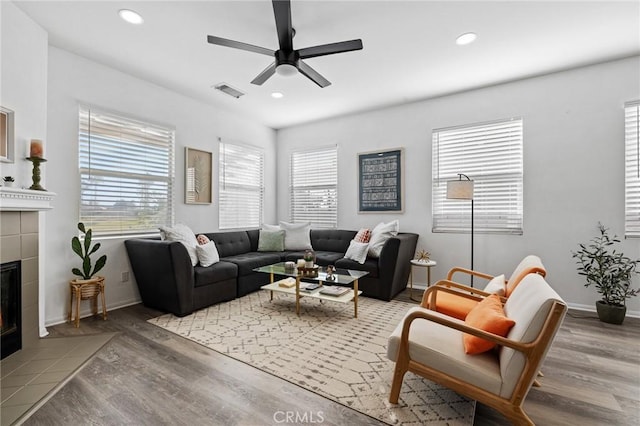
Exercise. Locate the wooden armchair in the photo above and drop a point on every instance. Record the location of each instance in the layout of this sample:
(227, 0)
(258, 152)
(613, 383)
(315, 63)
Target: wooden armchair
(458, 304)
(430, 344)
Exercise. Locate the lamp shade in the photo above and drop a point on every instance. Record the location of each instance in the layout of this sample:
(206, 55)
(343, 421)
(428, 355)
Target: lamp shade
(460, 189)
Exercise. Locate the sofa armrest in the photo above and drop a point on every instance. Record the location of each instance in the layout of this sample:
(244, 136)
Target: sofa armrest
(164, 274)
(394, 263)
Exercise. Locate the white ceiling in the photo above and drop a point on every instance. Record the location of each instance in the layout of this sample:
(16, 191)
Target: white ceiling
(409, 47)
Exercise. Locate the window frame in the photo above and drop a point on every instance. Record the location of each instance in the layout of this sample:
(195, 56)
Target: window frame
(249, 150)
(632, 169)
(316, 220)
(498, 190)
(107, 138)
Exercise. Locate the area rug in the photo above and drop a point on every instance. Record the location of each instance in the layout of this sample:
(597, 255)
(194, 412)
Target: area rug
(325, 350)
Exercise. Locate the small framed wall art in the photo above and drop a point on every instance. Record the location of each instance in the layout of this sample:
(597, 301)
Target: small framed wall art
(198, 176)
(380, 181)
(7, 142)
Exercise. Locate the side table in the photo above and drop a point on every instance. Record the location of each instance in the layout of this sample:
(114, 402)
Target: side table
(423, 264)
(84, 290)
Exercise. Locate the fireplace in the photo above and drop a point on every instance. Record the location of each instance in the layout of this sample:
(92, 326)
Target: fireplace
(10, 308)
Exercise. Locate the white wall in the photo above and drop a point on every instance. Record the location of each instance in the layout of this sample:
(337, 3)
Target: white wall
(23, 89)
(573, 165)
(73, 79)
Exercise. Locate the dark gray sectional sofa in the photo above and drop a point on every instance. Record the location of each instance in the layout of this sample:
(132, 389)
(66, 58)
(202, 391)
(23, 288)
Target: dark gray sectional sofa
(167, 280)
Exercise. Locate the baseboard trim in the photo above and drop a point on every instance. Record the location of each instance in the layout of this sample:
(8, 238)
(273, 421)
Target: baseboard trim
(592, 308)
(87, 312)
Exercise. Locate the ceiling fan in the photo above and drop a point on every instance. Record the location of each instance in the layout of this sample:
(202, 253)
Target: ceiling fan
(288, 61)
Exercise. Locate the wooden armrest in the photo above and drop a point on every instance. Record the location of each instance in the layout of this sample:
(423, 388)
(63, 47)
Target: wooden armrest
(469, 272)
(431, 294)
(427, 315)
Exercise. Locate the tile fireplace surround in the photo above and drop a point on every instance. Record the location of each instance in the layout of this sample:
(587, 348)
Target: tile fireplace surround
(19, 240)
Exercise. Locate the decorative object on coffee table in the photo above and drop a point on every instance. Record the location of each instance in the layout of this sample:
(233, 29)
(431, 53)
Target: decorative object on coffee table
(330, 270)
(309, 259)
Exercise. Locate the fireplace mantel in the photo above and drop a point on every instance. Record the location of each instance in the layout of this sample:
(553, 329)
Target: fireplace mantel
(18, 199)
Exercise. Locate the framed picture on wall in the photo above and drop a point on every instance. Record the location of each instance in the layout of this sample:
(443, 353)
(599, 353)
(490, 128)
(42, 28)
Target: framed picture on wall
(198, 176)
(7, 143)
(380, 181)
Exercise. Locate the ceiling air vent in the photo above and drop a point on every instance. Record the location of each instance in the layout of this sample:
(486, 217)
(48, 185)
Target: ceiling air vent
(225, 88)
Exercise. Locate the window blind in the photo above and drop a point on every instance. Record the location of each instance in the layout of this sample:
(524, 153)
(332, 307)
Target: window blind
(632, 169)
(126, 174)
(314, 187)
(491, 155)
(241, 186)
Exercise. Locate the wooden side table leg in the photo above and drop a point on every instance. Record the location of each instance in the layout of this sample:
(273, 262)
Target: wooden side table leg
(70, 316)
(104, 306)
(78, 307)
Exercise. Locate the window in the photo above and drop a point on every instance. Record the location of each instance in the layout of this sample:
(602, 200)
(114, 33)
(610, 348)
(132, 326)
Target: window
(126, 174)
(491, 155)
(632, 169)
(241, 186)
(314, 187)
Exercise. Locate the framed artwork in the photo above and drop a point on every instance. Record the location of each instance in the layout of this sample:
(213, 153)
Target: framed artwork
(198, 176)
(380, 181)
(7, 142)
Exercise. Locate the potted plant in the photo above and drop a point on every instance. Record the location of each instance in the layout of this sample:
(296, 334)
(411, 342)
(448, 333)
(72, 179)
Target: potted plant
(85, 250)
(610, 272)
(8, 180)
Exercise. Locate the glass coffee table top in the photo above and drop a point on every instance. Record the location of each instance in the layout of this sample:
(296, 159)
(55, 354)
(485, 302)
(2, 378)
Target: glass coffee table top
(340, 276)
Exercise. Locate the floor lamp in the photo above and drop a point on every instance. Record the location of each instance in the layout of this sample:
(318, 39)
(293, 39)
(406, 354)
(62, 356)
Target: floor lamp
(462, 189)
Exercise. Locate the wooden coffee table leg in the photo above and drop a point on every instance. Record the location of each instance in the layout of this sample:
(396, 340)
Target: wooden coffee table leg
(355, 299)
(298, 295)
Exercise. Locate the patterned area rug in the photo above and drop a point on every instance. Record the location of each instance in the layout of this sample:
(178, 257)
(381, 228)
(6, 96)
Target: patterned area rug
(325, 350)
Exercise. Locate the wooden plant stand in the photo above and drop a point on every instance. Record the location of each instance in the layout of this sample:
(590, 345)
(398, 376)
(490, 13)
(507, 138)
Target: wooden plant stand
(83, 290)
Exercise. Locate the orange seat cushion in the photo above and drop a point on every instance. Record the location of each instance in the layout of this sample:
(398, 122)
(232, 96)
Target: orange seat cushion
(454, 306)
(489, 316)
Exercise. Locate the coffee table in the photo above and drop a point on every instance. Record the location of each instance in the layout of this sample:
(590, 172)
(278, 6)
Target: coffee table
(342, 277)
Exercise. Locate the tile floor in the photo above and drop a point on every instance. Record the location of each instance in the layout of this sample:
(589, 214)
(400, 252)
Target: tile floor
(31, 376)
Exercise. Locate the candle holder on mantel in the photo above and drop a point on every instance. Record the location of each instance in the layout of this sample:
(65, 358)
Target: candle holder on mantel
(36, 173)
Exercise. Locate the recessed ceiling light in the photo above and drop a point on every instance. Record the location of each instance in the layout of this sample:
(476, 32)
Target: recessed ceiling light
(130, 16)
(277, 95)
(466, 38)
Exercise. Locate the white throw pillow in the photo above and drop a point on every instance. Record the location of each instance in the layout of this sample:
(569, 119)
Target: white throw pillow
(207, 254)
(271, 228)
(496, 286)
(357, 251)
(185, 235)
(296, 236)
(380, 234)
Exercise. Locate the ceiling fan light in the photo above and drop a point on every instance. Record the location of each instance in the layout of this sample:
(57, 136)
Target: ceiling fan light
(286, 70)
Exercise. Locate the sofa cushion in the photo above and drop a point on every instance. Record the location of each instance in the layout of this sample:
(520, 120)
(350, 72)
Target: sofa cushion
(271, 241)
(380, 234)
(247, 262)
(184, 234)
(369, 265)
(217, 272)
(357, 251)
(335, 240)
(296, 236)
(231, 243)
(207, 254)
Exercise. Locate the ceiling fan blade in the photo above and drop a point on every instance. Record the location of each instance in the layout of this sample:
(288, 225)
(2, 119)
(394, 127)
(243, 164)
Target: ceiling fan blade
(264, 75)
(239, 45)
(282, 12)
(313, 75)
(330, 49)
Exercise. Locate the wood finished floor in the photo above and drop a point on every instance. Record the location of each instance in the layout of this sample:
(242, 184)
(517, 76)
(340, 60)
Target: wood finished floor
(148, 376)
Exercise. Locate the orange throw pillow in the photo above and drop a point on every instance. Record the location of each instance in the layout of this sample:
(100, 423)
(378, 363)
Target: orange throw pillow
(489, 316)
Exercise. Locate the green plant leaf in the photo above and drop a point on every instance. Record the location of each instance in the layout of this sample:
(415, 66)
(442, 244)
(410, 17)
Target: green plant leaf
(81, 227)
(99, 264)
(77, 248)
(87, 241)
(77, 272)
(95, 248)
(86, 267)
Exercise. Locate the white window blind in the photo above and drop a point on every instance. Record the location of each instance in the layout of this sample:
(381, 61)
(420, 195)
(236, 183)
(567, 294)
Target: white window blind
(632, 169)
(314, 187)
(126, 174)
(241, 186)
(491, 155)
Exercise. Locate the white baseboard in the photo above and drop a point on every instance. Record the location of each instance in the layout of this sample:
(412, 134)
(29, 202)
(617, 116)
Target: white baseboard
(592, 308)
(87, 312)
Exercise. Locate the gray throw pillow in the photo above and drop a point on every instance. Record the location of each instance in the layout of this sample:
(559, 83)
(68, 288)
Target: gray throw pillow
(271, 240)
